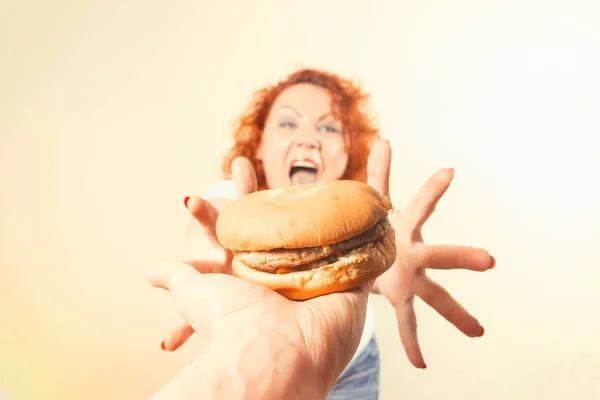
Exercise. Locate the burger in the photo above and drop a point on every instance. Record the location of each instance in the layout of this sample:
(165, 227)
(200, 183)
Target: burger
(309, 240)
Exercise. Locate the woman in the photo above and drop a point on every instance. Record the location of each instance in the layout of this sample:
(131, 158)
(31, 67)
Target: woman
(312, 127)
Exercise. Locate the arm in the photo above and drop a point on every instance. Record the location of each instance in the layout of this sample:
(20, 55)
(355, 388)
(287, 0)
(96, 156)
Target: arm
(246, 368)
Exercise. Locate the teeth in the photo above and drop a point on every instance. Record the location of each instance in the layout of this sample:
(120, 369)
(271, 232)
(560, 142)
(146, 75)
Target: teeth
(304, 164)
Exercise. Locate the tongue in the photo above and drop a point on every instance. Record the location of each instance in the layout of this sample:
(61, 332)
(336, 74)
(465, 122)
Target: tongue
(302, 177)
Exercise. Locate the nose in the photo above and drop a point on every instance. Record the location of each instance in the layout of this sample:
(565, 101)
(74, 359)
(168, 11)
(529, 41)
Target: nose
(308, 139)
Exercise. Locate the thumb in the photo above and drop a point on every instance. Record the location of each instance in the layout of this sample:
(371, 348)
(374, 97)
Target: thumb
(200, 294)
(243, 176)
(378, 167)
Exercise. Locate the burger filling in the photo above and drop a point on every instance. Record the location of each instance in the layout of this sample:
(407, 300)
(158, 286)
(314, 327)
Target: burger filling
(290, 260)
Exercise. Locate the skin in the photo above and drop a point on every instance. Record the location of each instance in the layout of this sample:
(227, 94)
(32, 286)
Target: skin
(406, 279)
(300, 126)
(289, 350)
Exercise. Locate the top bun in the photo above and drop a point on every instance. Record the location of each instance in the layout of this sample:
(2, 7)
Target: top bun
(315, 214)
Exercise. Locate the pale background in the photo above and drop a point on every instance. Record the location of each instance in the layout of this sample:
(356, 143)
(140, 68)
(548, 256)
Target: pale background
(111, 112)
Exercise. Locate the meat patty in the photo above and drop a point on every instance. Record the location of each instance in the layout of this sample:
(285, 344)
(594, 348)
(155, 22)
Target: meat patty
(298, 259)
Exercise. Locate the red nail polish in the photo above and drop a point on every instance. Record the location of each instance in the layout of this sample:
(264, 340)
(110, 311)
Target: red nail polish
(162, 345)
(185, 201)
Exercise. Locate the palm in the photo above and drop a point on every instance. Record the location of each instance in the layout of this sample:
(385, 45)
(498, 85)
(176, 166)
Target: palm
(325, 330)
(407, 277)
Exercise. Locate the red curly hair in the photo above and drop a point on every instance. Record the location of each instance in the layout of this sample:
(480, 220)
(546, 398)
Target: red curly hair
(348, 105)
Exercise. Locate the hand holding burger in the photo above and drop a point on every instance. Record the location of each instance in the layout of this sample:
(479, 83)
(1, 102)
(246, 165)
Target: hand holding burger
(336, 248)
(260, 345)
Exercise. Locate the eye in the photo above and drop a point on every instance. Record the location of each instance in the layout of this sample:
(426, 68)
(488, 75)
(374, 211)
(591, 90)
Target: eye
(287, 124)
(329, 128)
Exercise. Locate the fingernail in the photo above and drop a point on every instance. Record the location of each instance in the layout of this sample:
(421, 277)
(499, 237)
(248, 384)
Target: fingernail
(185, 201)
(481, 332)
(451, 171)
(493, 262)
(162, 345)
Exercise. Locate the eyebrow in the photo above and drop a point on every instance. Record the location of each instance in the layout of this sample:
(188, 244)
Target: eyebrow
(290, 107)
(322, 117)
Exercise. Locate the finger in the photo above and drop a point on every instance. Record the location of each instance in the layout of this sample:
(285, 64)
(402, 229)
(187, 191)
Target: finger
(243, 176)
(202, 297)
(165, 275)
(424, 202)
(407, 326)
(378, 167)
(178, 336)
(205, 213)
(212, 267)
(450, 257)
(441, 301)
(168, 275)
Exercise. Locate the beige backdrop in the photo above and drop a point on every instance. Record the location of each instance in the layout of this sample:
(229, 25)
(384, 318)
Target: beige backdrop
(112, 111)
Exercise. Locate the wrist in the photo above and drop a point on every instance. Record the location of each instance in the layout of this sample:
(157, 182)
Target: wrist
(249, 366)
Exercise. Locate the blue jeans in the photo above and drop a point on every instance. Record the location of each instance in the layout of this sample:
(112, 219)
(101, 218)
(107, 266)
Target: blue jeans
(361, 378)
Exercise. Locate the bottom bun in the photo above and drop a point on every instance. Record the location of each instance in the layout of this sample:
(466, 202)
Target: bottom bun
(348, 272)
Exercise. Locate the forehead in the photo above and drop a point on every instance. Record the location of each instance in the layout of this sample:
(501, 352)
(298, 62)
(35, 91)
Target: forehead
(305, 97)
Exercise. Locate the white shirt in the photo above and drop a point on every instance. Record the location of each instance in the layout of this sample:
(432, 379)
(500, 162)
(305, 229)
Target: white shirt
(225, 189)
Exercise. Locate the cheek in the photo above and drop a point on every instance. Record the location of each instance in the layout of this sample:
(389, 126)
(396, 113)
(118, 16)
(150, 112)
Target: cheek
(274, 151)
(274, 147)
(336, 157)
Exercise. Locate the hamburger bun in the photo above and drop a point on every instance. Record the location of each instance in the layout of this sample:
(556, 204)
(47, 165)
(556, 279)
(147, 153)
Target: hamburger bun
(309, 240)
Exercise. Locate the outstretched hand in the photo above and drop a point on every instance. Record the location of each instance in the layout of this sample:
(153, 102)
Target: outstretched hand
(407, 277)
(203, 250)
(201, 239)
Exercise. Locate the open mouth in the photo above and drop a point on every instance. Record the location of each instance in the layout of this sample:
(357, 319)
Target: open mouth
(303, 171)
